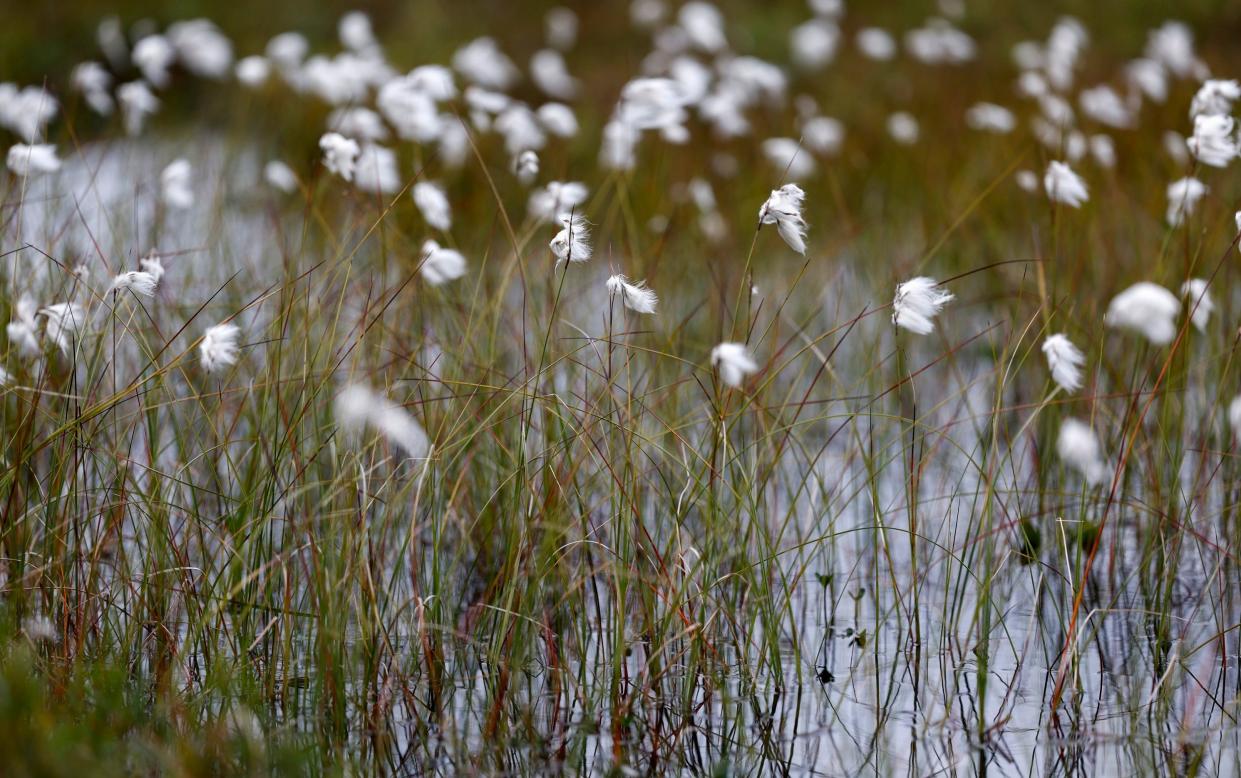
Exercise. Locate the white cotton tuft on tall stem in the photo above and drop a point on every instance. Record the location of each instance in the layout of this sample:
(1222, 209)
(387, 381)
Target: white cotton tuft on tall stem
(734, 362)
(636, 297)
(1065, 362)
(358, 406)
(1147, 309)
(1080, 449)
(783, 209)
(917, 302)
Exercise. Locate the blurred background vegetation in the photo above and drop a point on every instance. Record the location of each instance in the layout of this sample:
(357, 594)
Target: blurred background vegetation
(44, 38)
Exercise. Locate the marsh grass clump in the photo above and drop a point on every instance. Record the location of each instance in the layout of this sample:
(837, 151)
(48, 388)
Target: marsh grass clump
(339, 438)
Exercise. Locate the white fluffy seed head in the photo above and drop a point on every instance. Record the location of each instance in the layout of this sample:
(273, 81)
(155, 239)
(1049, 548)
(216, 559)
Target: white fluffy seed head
(441, 265)
(572, 243)
(636, 297)
(137, 103)
(1234, 417)
(433, 205)
(1183, 197)
(1065, 362)
(175, 184)
(1147, 309)
(783, 209)
(917, 302)
(340, 154)
(1064, 186)
(526, 167)
(32, 159)
(552, 202)
(1199, 302)
(989, 117)
(280, 176)
(1215, 98)
(1079, 447)
(1214, 141)
(357, 407)
(734, 363)
(218, 348)
(139, 282)
(22, 331)
(903, 128)
(64, 322)
(153, 265)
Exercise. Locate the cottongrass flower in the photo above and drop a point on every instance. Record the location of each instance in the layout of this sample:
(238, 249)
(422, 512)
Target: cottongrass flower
(1183, 197)
(1234, 417)
(1103, 150)
(340, 154)
(813, 44)
(903, 128)
(526, 167)
(572, 243)
(27, 111)
(94, 82)
(1147, 309)
(201, 48)
(1214, 98)
(549, 73)
(520, 128)
(1064, 186)
(23, 330)
(1174, 145)
(1080, 449)
(153, 55)
(1027, 180)
(1214, 142)
(253, 71)
(1200, 303)
(441, 265)
(280, 176)
(357, 406)
(410, 109)
(433, 205)
(560, 25)
(654, 104)
(174, 184)
(1065, 361)
(787, 156)
(482, 63)
(704, 25)
(551, 202)
(137, 103)
(1105, 106)
(734, 363)
(989, 117)
(1149, 78)
(918, 301)
(64, 321)
(783, 209)
(636, 297)
(153, 265)
(376, 171)
(26, 160)
(287, 50)
(218, 348)
(876, 43)
(823, 135)
(137, 281)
